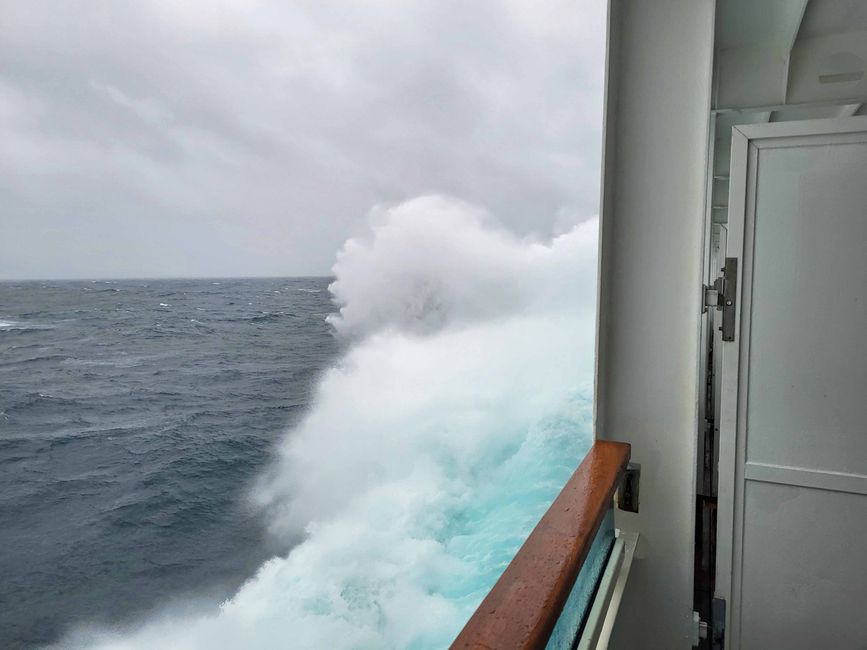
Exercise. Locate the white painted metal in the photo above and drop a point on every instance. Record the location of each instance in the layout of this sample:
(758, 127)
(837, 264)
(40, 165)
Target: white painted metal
(727, 361)
(784, 52)
(718, 260)
(793, 453)
(711, 188)
(828, 17)
(652, 226)
(802, 588)
(747, 23)
(829, 67)
(602, 600)
(753, 41)
(630, 540)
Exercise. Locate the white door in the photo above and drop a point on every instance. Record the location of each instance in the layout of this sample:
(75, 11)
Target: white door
(792, 528)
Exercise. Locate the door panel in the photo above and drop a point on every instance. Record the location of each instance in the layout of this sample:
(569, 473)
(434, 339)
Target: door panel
(793, 469)
(807, 370)
(797, 593)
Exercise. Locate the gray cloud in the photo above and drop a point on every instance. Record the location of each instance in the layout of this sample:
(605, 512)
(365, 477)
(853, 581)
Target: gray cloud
(172, 138)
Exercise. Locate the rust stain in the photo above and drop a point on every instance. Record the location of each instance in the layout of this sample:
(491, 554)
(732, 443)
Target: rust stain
(522, 608)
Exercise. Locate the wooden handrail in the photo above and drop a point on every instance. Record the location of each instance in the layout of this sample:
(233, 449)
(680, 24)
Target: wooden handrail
(521, 610)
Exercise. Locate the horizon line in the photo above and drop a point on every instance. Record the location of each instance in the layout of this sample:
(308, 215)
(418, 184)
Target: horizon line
(167, 277)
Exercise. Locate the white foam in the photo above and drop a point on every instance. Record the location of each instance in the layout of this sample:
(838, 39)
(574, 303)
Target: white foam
(15, 325)
(435, 260)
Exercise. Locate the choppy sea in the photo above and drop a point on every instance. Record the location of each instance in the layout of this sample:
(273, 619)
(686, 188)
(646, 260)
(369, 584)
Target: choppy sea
(211, 465)
(134, 416)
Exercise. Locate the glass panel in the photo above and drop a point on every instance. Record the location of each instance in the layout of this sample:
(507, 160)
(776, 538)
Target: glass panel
(581, 597)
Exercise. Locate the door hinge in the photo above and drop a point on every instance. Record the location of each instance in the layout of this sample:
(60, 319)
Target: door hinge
(722, 295)
(715, 631)
(699, 629)
(711, 295)
(718, 624)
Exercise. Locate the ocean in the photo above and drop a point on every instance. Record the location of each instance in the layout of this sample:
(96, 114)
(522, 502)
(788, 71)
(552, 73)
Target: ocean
(341, 464)
(134, 416)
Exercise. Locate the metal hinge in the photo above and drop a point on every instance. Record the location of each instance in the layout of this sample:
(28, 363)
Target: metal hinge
(715, 631)
(718, 628)
(627, 494)
(712, 295)
(722, 295)
(699, 629)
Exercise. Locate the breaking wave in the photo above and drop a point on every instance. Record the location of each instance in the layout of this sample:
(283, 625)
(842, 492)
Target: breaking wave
(459, 409)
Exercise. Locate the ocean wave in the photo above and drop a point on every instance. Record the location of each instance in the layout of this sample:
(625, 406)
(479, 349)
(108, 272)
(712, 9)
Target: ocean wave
(270, 316)
(416, 275)
(41, 359)
(116, 362)
(11, 325)
(261, 317)
(435, 443)
(39, 402)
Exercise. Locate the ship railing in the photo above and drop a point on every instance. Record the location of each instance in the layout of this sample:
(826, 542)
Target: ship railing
(562, 590)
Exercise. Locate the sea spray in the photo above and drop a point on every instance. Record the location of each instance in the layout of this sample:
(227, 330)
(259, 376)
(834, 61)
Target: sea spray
(458, 411)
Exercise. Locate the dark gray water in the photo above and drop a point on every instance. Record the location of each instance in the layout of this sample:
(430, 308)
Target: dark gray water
(134, 415)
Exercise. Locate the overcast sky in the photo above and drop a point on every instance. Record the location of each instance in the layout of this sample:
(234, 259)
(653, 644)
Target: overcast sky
(244, 137)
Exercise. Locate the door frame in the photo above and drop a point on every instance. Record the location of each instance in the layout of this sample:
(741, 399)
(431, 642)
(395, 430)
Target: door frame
(747, 141)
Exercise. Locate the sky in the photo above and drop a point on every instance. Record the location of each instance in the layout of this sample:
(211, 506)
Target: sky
(218, 138)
